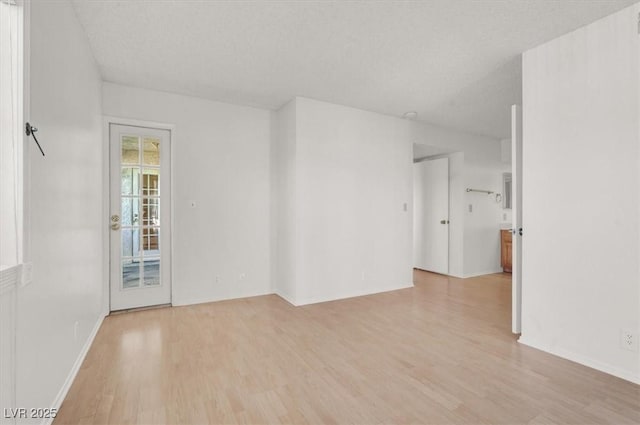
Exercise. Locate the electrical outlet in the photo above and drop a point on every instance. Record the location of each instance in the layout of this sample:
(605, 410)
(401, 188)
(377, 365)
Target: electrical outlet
(629, 339)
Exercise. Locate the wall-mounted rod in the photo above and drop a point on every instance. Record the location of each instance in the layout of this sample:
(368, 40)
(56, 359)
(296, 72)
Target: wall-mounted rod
(488, 192)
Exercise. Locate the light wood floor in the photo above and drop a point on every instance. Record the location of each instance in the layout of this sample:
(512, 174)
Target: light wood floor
(440, 352)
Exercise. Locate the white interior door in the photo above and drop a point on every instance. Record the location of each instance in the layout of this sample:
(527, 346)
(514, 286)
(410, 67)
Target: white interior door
(516, 210)
(431, 215)
(140, 217)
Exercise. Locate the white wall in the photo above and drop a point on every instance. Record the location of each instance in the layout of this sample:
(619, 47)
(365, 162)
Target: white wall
(59, 309)
(482, 223)
(456, 214)
(353, 174)
(221, 160)
(283, 167)
(474, 247)
(581, 190)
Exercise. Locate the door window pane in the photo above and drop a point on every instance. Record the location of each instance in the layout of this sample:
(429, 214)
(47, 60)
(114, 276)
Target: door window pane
(130, 178)
(150, 212)
(130, 211)
(150, 182)
(151, 271)
(151, 240)
(151, 152)
(130, 150)
(130, 242)
(130, 273)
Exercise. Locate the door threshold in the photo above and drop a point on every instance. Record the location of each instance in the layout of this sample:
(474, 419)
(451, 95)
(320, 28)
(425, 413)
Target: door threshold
(133, 310)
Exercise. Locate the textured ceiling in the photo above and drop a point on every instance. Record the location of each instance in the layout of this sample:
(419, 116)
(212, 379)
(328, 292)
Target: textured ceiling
(454, 62)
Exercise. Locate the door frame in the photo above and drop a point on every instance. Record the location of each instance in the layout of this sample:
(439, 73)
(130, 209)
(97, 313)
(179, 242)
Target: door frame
(107, 120)
(516, 218)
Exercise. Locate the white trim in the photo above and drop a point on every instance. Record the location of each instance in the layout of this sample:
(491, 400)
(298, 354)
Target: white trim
(107, 120)
(354, 294)
(105, 214)
(286, 298)
(312, 300)
(484, 273)
(467, 276)
(583, 360)
(110, 119)
(57, 402)
(24, 96)
(205, 300)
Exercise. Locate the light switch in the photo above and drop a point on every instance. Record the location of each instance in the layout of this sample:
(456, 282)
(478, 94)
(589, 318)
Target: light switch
(192, 204)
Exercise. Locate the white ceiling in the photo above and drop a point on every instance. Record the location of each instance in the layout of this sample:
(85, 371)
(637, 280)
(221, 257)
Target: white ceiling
(455, 62)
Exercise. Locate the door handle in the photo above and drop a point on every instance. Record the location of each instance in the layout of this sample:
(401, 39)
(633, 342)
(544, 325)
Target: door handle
(115, 222)
(444, 221)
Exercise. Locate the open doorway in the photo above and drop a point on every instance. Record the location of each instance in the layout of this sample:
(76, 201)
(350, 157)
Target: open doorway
(437, 198)
(431, 215)
(477, 215)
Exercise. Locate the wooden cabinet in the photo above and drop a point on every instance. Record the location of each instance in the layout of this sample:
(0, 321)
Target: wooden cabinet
(505, 250)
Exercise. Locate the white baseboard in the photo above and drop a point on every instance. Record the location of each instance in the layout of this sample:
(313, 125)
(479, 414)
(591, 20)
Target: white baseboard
(289, 299)
(476, 274)
(57, 402)
(203, 300)
(286, 298)
(316, 300)
(583, 360)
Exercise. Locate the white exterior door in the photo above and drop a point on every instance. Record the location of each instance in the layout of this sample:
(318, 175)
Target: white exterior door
(516, 210)
(140, 217)
(431, 215)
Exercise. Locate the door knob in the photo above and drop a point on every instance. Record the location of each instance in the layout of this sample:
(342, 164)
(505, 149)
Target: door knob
(115, 222)
(444, 221)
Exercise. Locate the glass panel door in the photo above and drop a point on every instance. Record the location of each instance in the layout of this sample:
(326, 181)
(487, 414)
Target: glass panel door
(139, 225)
